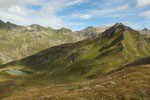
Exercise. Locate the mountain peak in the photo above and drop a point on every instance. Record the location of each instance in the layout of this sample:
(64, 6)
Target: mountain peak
(114, 30)
(119, 25)
(35, 25)
(63, 29)
(90, 28)
(1, 21)
(8, 25)
(8, 22)
(145, 29)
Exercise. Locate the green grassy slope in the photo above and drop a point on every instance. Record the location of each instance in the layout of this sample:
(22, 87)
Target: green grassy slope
(25, 41)
(89, 58)
(130, 82)
(18, 42)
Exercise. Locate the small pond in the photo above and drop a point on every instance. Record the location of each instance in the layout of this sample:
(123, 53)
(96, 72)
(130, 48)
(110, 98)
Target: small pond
(17, 72)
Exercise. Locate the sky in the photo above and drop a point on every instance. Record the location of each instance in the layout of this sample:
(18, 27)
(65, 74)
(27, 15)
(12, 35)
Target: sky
(76, 14)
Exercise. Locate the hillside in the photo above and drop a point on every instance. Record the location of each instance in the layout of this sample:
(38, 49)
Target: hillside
(129, 82)
(95, 68)
(88, 58)
(147, 37)
(21, 41)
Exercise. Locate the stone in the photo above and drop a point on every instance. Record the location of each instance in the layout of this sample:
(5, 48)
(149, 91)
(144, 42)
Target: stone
(99, 86)
(48, 96)
(12, 85)
(85, 88)
(112, 82)
(123, 77)
(21, 89)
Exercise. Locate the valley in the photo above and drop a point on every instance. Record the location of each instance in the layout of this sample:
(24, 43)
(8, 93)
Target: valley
(74, 50)
(129, 82)
(111, 65)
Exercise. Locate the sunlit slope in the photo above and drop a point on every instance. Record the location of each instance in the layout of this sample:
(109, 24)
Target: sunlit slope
(89, 58)
(132, 82)
(18, 42)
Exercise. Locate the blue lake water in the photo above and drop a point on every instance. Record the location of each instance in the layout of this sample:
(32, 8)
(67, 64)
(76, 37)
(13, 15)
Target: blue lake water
(16, 72)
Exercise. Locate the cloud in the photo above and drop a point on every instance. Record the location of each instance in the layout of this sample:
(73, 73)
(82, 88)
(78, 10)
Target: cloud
(124, 7)
(74, 2)
(109, 25)
(16, 11)
(118, 12)
(146, 14)
(104, 8)
(81, 16)
(8, 3)
(132, 24)
(143, 3)
(135, 26)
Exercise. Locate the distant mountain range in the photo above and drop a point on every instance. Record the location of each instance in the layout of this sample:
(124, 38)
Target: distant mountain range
(91, 57)
(145, 31)
(58, 64)
(18, 42)
(22, 41)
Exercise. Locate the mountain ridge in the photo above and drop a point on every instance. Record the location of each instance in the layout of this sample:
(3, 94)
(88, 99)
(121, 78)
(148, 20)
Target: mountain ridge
(94, 68)
(22, 41)
(120, 44)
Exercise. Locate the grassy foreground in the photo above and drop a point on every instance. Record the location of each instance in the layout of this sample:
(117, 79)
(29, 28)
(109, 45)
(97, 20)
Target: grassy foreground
(128, 83)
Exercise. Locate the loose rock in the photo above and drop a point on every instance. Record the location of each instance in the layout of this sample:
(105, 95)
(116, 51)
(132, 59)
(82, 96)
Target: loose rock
(99, 86)
(112, 82)
(85, 88)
